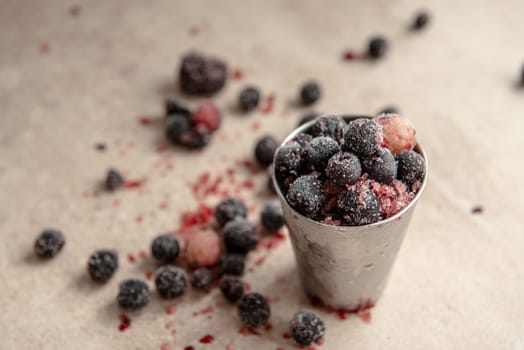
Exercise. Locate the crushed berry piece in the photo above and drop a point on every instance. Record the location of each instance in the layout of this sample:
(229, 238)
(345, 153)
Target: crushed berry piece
(125, 322)
(421, 21)
(133, 294)
(307, 118)
(202, 75)
(202, 279)
(272, 217)
(318, 152)
(265, 149)
(228, 209)
(329, 126)
(207, 118)
(377, 47)
(306, 195)
(249, 98)
(411, 167)
(343, 169)
(203, 248)
(170, 281)
(232, 288)
(233, 264)
(207, 339)
(173, 107)
(49, 243)
(288, 160)
(102, 265)
(363, 136)
(253, 310)
(114, 180)
(381, 166)
(310, 93)
(165, 248)
(307, 328)
(240, 236)
(359, 206)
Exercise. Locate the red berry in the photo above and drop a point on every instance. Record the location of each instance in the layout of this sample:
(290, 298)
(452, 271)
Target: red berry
(207, 116)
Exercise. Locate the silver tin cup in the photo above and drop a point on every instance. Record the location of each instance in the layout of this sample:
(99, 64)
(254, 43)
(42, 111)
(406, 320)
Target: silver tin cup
(346, 267)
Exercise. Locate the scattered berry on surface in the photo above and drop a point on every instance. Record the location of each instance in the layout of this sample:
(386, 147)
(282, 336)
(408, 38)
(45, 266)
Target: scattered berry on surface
(421, 20)
(272, 217)
(380, 166)
(233, 264)
(228, 209)
(240, 236)
(310, 93)
(165, 248)
(49, 243)
(377, 47)
(265, 149)
(114, 180)
(363, 137)
(203, 248)
(253, 310)
(307, 328)
(248, 98)
(201, 75)
(207, 118)
(170, 281)
(173, 107)
(102, 265)
(202, 279)
(343, 169)
(133, 294)
(305, 195)
(232, 288)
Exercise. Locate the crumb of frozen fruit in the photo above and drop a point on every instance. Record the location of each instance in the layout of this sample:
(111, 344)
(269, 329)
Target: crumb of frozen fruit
(114, 180)
(202, 279)
(307, 328)
(170, 281)
(49, 243)
(203, 248)
(233, 264)
(102, 265)
(249, 98)
(265, 149)
(399, 134)
(201, 75)
(133, 294)
(228, 209)
(232, 288)
(165, 248)
(310, 93)
(393, 197)
(380, 166)
(240, 236)
(272, 217)
(253, 310)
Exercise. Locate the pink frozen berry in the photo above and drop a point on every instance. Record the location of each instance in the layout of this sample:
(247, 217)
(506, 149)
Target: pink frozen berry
(202, 248)
(207, 117)
(399, 134)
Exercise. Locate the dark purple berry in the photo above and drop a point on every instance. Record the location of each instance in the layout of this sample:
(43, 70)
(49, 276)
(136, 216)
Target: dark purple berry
(102, 265)
(330, 126)
(359, 206)
(411, 167)
(318, 152)
(310, 93)
(232, 288)
(114, 180)
(173, 107)
(377, 47)
(307, 328)
(228, 209)
(49, 243)
(233, 264)
(195, 139)
(202, 75)
(381, 166)
(253, 310)
(288, 160)
(305, 195)
(165, 248)
(343, 169)
(240, 236)
(133, 294)
(202, 279)
(170, 281)
(265, 149)
(272, 217)
(421, 20)
(307, 118)
(178, 125)
(248, 98)
(363, 136)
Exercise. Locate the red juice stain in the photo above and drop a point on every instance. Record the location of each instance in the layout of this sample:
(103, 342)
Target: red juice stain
(248, 331)
(164, 346)
(248, 184)
(230, 347)
(44, 47)
(116, 203)
(478, 209)
(207, 339)
(163, 206)
(204, 311)
(125, 322)
(134, 184)
(145, 121)
(280, 348)
(260, 260)
(189, 348)
(268, 327)
(286, 335)
(276, 239)
(171, 309)
(237, 74)
(350, 55)
(168, 325)
(131, 258)
(173, 332)
(149, 275)
(255, 126)
(269, 104)
(198, 218)
(142, 254)
(247, 286)
(194, 30)
(162, 148)
(139, 219)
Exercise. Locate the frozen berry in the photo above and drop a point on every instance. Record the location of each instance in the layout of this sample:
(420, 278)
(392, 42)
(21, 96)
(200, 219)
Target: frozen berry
(399, 134)
(310, 93)
(248, 98)
(203, 248)
(265, 149)
(202, 75)
(411, 167)
(170, 281)
(195, 139)
(330, 126)
(178, 126)
(363, 137)
(102, 265)
(377, 47)
(133, 294)
(207, 118)
(303, 140)
(114, 180)
(232, 288)
(165, 248)
(228, 209)
(307, 328)
(306, 195)
(318, 152)
(343, 169)
(202, 279)
(233, 264)
(359, 206)
(49, 243)
(288, 160)
(381, 166)
(272, 217)
(173, 107)
(421, 20)
(240, 236)
(253, 310)
(307, 118)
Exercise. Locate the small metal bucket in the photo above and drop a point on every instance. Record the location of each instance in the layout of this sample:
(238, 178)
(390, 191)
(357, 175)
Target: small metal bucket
(346, 267)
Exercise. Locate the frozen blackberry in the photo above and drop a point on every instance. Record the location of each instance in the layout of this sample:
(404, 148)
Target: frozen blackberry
(232, 288)
(318, 152)
(228, 209)
(421, 20)
(306, 195)
(307, 118)
(381, 166)
(248, 98)
(178, 125)
(202, 279)
(363, 137)
(202, 75)
(170, 281)
(411, 167)
(265, 149)
(330, 126)
(172, 108)
(272, 217)
(253, 310)
(359, 206)
(240, 236)
(114, 180)
(49, 243)
(343, 169)
(233, 264)
(165, 248)
(288, 160)
(307, 328)
(133, 294)
(102, 265)
(310, 93)
(377, 47)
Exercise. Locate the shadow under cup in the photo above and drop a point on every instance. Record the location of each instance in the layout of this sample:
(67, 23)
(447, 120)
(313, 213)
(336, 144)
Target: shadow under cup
(346, 267)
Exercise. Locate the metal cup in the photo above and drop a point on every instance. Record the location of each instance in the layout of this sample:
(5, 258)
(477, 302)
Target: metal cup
(346, 267)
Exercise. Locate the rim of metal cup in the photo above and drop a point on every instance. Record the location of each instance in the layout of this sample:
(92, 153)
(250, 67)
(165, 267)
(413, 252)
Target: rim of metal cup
(418, 148)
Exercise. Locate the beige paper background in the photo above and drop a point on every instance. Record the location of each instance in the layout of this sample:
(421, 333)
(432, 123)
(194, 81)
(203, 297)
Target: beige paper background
(459, 279)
